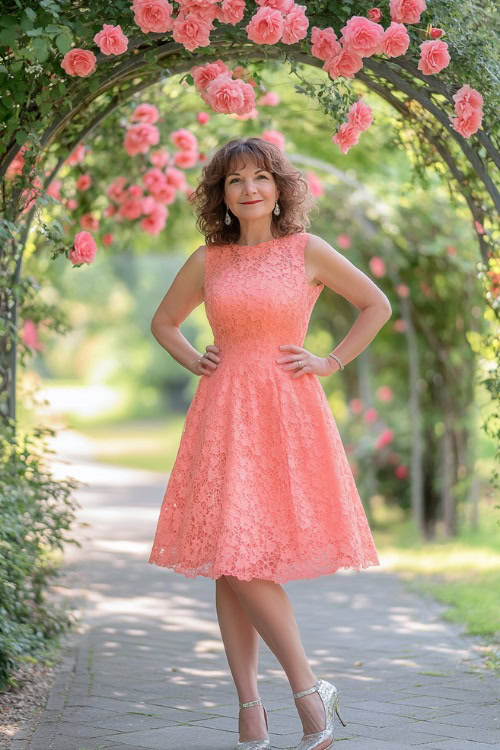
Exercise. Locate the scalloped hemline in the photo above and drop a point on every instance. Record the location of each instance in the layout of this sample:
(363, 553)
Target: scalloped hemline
(195, 572)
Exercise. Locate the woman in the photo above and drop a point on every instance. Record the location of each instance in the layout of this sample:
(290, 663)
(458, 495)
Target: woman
(261, 491)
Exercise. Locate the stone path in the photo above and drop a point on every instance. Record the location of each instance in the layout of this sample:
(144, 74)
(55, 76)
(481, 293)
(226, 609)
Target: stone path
(149, 670)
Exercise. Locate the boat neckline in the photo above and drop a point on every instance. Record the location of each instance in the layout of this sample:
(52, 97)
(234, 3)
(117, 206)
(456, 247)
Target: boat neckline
(265, 242)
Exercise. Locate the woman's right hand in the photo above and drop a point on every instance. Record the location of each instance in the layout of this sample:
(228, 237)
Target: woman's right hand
(208, 362)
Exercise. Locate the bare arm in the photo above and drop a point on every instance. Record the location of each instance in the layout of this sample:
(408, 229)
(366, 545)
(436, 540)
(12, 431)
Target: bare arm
(185, 293)
(339, 274)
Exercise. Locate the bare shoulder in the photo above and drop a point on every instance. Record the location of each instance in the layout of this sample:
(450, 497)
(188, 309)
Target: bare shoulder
(317, 247)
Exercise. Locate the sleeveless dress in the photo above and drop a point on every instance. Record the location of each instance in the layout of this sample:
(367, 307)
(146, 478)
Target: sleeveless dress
(261, 486)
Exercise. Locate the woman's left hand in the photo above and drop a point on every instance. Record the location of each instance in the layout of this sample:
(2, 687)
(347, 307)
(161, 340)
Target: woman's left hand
(302, 362)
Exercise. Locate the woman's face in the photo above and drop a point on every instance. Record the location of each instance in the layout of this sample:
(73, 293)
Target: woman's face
(246, 183)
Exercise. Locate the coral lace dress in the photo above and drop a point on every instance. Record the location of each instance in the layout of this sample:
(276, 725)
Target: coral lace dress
(261, 486)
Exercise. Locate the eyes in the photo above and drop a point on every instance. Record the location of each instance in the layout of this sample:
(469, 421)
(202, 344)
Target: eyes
(237, 178)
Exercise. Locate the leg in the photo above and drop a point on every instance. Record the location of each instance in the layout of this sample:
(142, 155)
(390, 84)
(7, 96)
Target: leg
(269, 609)
(241, 644)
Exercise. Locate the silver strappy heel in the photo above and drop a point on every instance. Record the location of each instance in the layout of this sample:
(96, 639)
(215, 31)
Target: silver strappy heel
(330, 698)
(254, 744)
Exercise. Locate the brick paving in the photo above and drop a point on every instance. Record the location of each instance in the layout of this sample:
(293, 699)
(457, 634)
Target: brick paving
(147, 668)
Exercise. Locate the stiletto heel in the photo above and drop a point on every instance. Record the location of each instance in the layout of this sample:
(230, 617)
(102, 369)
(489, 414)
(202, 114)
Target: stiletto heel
(330, 698)
(254, 744)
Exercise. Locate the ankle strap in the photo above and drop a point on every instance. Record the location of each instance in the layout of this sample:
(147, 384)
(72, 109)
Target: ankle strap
(306, 692)
(251, 703)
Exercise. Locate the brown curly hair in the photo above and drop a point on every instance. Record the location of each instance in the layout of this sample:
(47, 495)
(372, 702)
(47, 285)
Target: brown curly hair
(295, 199)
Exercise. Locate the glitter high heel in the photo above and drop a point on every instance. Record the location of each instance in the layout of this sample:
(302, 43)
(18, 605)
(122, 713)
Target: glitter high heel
(330, 698)
(254, 744)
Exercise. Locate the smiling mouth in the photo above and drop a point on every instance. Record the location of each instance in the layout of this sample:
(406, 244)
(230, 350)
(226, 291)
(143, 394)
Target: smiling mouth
(249, 203)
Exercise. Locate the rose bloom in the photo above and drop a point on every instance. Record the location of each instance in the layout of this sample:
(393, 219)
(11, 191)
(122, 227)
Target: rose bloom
(131, 208)
(315, 184)
(370, 415)
(159, 158)
(402, 290)
(116, 190)
(360, 115)
(224, 95)
(434, 56)
(203, 117)
(296, 25)
(72, 204)
(185, 159)
(165, 194)
(362, 36)
(156, 220)
(377, 266)
(384, 393)
(284, 6)
(148, 204)
(192, 31)
(232, 11)
(435, 33)
(204, 74)
(84, 182)
(468, 122)
(139, 138)
(154, 179)
(54, 188)
(395, 41)
(153, 15)
(385, 438)
(76, 156)
(83, 250)
(29, 335)
(274, 136)
(401, 472)
(111, 40)
(184, 139)
(344, 241)
(467, 96)
(406, 11)
(145, 113)
(269, 99)
(324, 43)
(176, 178)
(356, 405)
(375, 14)
(346, 137)
(89, 222)
(110, 210)
(344, 64)
(79, 62)
(107, 239)
(266, 26)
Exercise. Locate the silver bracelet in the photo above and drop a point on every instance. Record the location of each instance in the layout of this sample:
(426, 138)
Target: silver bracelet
(338, 359)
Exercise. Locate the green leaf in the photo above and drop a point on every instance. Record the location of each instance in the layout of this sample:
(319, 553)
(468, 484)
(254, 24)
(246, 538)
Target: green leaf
(34, 32)
(41, 48)
(30, 13)
(21, 137)
(63, 43)
(8, 37)
(8, 22)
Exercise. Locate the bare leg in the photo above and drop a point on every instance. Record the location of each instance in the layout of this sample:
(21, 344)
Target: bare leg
(241, 643)
(269, 609)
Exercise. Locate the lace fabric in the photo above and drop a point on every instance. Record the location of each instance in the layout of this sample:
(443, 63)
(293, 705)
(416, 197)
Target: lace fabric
(261, 486)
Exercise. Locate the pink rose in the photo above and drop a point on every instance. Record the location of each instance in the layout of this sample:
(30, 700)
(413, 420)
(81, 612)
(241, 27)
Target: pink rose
(166, 194)
(296, 25)
(131, 208)
(175, 177)
(284, 6)
(148, 204)
(315, 184)
(107, 239)
(110, 210)
(72, 204)
(84, 182)
(385, 393)
(467, 96)
(468, 121)
(385, 438)
(403, 290)
(377, 266)
(204, 74)
(406, 11)
(265, 27)
(434, 56)
(269, 99)
(274, 136)
(344, 241)
(344, 64)
(139, 138)
(154, 179)
(232, 11)
(145, 113)
(83, 250)
(346, 137)
(192, 31)
(76, 156)
(203, 117)
(360, 115)
(435, 33)
(185, 159)
(54, 188)
(370, 415)
(395, 41)
(184, 139)
(401, 471)
(362, 36)
(153, 15)
(159, 158)
(135, 191)
(111, 40)
(89, 222)
(224, 95)
(324, 43)
(375, 14)
(29, 335)
(116, 191)
(79, 62)
(154, 222)
(356, 405)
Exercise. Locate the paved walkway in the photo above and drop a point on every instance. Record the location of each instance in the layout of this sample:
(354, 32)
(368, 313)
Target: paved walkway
(149, 671)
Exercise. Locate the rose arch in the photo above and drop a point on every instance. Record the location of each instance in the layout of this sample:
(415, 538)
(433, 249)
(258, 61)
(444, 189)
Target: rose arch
(64, 70)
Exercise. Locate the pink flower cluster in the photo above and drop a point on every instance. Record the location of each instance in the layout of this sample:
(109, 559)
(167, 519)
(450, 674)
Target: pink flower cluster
(139, 138)
(84, 249)
(216, 86)
(278, 21)
(469, 110)
(359, 118)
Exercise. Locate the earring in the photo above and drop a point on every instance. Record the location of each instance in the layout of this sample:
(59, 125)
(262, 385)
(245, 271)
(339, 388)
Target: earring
(227, 218)
(276, 209)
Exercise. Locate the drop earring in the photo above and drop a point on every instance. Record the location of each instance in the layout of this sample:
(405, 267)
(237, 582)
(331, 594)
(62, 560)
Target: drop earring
(227, 218)
(276, 209)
